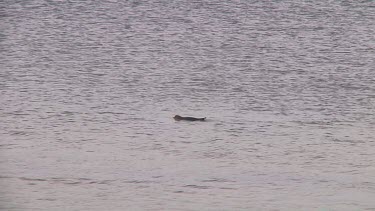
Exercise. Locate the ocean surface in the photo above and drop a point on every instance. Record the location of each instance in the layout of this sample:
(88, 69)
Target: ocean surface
(88, 90)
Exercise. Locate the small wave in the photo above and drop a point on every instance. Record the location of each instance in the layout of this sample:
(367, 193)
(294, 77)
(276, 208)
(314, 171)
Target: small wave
(46, 199)
(197, 186)
(67, 181)
(32, 179)
(139, 181)
(216, 180)
(348, 141)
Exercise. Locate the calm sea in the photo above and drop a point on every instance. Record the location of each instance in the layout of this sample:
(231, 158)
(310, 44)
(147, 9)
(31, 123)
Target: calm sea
(88, 90)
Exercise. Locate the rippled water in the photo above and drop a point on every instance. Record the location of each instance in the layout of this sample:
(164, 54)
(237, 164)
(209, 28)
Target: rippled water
(89, 88)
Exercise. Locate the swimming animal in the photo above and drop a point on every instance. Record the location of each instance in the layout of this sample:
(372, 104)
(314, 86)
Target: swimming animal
(178, 118)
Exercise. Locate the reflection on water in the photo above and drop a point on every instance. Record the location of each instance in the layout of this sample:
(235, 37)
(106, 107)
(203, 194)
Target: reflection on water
(89, 89)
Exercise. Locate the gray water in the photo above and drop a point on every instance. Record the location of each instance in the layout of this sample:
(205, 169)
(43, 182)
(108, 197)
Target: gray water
(89, 88)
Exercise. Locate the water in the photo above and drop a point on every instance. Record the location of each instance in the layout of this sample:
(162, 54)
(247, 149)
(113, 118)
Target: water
(89, 88)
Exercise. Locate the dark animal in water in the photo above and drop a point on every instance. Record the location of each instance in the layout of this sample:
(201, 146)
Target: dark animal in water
(178, 118)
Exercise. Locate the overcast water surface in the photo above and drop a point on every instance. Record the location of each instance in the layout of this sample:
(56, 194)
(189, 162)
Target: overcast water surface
(88, 90)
